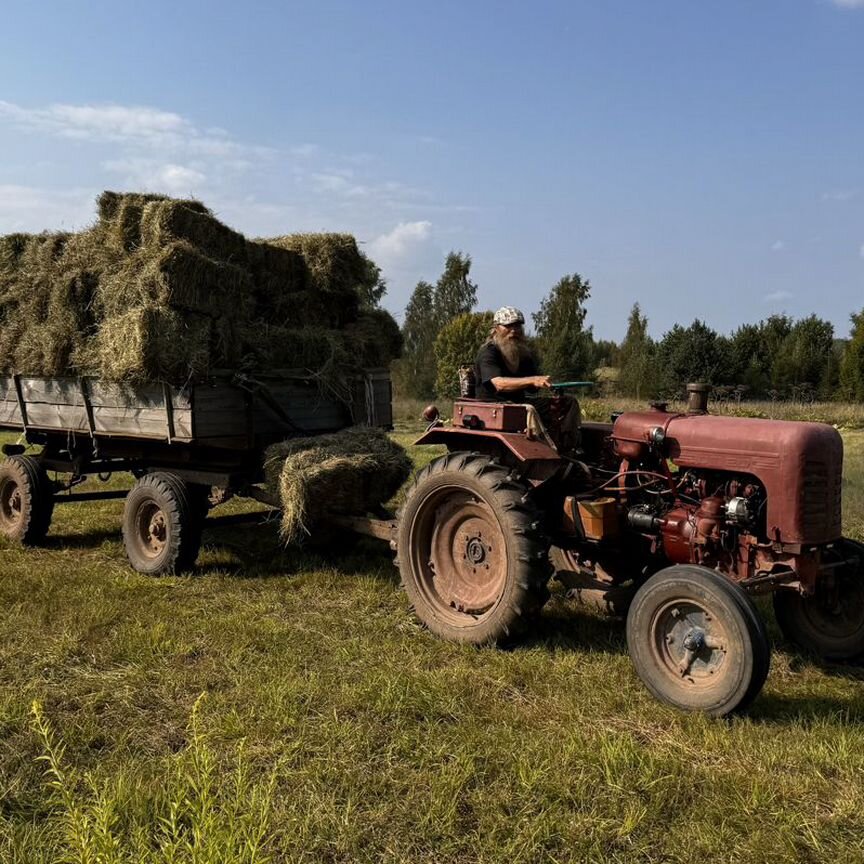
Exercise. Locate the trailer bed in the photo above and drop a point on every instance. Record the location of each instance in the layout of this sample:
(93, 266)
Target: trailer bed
(233, 412)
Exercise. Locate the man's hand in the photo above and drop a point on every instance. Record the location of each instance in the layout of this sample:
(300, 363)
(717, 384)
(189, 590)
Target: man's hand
(541, 381)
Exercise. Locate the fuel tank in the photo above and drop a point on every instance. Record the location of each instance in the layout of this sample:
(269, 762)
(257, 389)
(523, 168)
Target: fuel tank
(799, 464)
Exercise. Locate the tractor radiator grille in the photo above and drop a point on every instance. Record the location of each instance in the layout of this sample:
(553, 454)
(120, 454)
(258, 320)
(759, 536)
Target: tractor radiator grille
(821, 501)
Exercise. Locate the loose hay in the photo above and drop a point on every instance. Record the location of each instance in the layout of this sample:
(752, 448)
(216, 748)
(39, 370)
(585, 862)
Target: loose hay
(351, 472)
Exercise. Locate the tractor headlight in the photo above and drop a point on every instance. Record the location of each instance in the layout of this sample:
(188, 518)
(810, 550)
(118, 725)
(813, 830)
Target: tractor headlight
(657, 437)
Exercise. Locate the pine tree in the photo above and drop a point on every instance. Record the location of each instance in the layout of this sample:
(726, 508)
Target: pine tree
(454, 293)
(415, 372)
(688, 354)
(852, 366)
(564, 344)
(637, 358)
(804, 360)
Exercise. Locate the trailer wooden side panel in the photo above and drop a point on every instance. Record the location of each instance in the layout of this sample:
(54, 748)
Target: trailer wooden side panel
(236, 413)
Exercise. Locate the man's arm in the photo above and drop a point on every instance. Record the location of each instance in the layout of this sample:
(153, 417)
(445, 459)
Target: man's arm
(503, 384)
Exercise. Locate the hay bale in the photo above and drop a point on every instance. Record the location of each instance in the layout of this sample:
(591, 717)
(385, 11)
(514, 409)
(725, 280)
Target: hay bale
(350, 472)
(180, 277)
(375, 339)
(336, 266)
(153, 344)
(121, 214)
(319, 351)
(286, 266)
(11, 248)
(11, 331)
(164, 222)
(159, 288)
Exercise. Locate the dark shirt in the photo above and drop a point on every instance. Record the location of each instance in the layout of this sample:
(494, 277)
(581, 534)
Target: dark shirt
(490, 364)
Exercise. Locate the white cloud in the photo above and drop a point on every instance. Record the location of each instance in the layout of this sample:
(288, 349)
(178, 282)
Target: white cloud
(839, 195)
(861, 250)
(778, 245)
(398, 244)
(848, 4)
(131, 125)
(339, 183)
(776, 296)
(158, 176)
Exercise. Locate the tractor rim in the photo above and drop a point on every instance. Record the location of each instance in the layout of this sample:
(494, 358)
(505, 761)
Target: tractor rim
(459, 554)
(11, 503)
(152, 529)
(690, 645)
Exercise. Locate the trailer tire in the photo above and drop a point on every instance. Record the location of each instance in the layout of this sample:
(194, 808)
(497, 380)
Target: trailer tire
(829, 623)
(161, 528)
(697, 642)
(26, 500)
(472, 554)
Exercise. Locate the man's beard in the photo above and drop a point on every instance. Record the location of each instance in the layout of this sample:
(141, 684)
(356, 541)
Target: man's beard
(512, 350)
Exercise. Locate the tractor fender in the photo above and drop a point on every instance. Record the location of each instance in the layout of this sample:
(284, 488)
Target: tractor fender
(523, 448)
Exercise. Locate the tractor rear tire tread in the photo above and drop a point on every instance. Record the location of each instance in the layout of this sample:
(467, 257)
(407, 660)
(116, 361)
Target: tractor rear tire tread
(525, 587)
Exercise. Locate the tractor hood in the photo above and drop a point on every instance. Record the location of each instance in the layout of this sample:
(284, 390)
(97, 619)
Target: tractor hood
(800, 464)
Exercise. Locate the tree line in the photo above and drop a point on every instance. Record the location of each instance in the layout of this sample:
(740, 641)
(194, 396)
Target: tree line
(777, 358)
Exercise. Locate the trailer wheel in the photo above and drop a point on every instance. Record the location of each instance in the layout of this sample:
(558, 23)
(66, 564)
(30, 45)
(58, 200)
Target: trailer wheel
(697, 642)
(26, 500)
(161, 528)
(472, 555)
(829, 623)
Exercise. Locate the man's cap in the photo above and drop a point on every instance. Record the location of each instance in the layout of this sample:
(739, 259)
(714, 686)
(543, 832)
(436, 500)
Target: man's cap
(507, 315)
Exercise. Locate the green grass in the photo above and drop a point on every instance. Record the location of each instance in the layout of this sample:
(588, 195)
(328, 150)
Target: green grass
(335, 729)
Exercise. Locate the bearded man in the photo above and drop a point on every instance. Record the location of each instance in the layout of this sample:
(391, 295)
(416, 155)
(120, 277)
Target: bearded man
(505, 368)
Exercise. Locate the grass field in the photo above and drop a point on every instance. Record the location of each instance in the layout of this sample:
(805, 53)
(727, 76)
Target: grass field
(283, 706)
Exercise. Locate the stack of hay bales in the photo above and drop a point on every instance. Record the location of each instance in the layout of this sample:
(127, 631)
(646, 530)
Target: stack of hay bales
(160, 290)
(349, 472)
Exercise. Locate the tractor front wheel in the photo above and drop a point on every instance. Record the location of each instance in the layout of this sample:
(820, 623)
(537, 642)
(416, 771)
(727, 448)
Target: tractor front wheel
(829, 623)
(696, 641)
(471, 551)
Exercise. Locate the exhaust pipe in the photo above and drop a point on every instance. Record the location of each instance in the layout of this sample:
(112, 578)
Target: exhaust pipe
(697, 398)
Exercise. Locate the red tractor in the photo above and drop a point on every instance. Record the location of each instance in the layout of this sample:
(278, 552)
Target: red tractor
(675, 519)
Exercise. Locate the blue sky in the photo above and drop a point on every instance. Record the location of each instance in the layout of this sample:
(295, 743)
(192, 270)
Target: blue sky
(704, 158)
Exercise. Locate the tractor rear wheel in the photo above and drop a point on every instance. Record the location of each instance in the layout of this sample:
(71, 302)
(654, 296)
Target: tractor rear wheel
(26, 500)
(471, 551)
(697, 642)
(829, 623)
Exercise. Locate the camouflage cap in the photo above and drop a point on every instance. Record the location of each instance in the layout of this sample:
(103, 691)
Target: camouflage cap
(508, 315)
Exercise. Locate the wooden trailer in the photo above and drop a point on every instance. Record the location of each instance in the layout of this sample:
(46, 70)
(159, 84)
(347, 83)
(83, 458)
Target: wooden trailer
(180, 444)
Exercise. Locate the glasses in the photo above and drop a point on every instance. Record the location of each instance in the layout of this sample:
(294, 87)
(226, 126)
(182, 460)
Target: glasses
(516, 326)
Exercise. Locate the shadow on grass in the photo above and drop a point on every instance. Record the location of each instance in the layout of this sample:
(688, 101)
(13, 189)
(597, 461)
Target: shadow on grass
(565, 628)
(782, 708)
(88, 540)
(255, 552)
